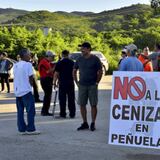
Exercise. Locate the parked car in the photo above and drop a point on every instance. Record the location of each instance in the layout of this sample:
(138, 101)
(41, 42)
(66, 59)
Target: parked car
(74, 56)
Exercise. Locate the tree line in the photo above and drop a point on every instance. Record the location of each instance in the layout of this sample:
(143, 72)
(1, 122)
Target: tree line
(109, 43)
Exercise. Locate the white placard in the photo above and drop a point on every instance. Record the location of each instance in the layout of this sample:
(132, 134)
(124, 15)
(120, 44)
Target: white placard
(135, 109)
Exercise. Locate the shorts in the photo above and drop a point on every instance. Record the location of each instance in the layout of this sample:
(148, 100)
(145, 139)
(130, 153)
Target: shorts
(88, 92)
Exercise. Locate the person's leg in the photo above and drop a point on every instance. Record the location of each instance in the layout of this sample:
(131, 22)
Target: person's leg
(6, 77)
(83, 113)
(93, 98)
(2, 81)
(93, 113)
(47, 88)
(35, 90)
(20, 115)
(28, 101)
(62, 100)
(71, 100)
(82, 101)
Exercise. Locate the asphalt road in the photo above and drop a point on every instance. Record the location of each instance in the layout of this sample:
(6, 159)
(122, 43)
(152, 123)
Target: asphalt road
(59, 139)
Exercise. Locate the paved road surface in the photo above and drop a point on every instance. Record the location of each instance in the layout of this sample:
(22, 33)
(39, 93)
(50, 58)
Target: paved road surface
(59, 139)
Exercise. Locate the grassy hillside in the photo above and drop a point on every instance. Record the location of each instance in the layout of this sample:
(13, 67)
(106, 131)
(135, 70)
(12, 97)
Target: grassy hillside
(58, 21)
(86, 21)
(10, 14)
(120, 18)
(108, 31)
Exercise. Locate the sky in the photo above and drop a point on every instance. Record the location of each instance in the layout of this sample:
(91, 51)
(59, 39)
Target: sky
(69, 5)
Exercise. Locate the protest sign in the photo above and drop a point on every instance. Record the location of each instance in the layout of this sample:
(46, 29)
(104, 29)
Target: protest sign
(135, 109)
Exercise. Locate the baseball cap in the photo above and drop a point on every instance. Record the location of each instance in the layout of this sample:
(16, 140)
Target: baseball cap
(50, 54)
(124, 50)
(131, 47)
(85, 45)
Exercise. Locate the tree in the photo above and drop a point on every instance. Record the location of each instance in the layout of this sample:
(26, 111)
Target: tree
(155, 4)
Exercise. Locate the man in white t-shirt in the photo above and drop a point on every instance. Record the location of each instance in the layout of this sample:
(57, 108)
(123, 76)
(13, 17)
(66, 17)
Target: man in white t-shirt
(23, 80)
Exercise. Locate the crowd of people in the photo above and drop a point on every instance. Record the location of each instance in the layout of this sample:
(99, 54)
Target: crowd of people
(86, 72)
(146, 61)
(59, 75)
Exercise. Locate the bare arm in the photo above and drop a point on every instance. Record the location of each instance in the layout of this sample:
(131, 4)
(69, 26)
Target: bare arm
(75, 76)
(56, 78)
(99, 76)
(51, 70)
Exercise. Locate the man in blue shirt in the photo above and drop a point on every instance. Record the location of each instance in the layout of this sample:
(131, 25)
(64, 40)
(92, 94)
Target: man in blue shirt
(131, 63)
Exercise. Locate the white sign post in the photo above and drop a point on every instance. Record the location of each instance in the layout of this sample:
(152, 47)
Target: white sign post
(135, 109)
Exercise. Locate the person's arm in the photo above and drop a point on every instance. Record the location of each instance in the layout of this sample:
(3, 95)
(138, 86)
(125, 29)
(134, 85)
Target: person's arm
(55, 79)
(99, 76)
(31, 80)
(74, 73)
(100, 71)
(75, 76)
(10, 64)
(150, 67)
(30, 73)
(50, 70)
(122, 66)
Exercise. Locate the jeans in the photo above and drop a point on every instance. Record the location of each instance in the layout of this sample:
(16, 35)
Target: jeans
(26, 101)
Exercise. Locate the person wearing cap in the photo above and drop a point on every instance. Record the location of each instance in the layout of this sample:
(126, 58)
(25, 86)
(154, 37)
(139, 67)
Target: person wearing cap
(131, 63)
(155, 58)
(123, 55)
(5, 66)
(143, 58)
(46, 71)
(64, 78)
(23, 80)
(90, 70)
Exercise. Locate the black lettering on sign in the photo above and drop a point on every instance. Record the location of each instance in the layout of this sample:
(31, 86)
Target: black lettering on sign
(141, 128)
(148, 95)
(114, 137)
(116, 115)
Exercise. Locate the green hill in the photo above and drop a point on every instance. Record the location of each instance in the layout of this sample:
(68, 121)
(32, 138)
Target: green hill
(10, 14)
(58, 21)
(126, 18)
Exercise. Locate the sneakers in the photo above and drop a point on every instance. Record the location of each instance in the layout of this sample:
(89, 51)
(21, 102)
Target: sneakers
(33, 132)
(22, 133)
(29, 133)
(83, 126)
(92, 126)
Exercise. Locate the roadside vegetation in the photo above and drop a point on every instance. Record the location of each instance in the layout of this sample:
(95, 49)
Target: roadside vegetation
(108, 31)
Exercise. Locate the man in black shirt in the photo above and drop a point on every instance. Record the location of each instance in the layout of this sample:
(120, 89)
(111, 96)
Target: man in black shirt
(63, 77)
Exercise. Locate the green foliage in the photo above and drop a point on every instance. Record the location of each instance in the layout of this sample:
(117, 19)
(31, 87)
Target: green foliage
(108, 31)
(155, 4)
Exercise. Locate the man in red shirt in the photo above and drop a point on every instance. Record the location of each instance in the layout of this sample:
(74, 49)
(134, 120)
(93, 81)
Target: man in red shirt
(46, 70)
